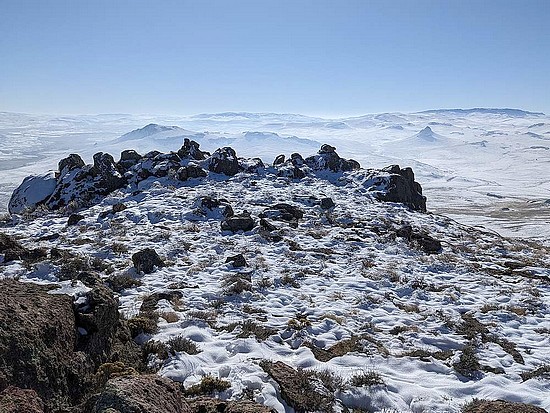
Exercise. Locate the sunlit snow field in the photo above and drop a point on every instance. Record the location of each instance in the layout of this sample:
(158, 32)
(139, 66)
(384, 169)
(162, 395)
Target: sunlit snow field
(481, 167)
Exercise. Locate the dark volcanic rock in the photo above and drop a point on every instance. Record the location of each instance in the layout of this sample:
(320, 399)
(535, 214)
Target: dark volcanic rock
(215, 208)
(190, 149)
(241, 222)
(141, 394)
(237, 261)
(74, 219)
(106, 170)
(128, 158)
(284, 212)
(500, 406)
(190, 171)
(327, 203)
(73, 161)
(13, 250)
(37, 344)
(146, 259)
(328, 160)
(16, 400)
(149, 304)
(224, 161)
(279, 160)
(393, 184)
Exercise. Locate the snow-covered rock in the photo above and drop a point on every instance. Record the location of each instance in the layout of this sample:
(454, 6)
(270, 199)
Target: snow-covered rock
(33, 191)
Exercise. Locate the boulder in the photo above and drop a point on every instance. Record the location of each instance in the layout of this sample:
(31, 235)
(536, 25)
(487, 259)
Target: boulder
(327, 203)
(33, 191)
(302, 393)
(190, 150)
(393, 184)
(149, 303)
(74, 219)
(251, 166)
(16, 400)
(214, 208)
(146, 260)
(328, 160)
(37, 345)
(284, 212)
(242, 222)
(237, 261)
(141, 394)
(500, 406)
(224, 161)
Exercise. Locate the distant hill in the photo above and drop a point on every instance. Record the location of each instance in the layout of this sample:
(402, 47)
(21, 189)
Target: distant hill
(490, 111)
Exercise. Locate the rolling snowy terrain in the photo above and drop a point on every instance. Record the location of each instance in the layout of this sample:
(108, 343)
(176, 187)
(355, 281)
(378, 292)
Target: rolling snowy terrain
(370, 305)
(481, 166)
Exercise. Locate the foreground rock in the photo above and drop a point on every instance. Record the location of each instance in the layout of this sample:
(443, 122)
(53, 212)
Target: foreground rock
(141, 394)
(16, 400)
(37, 345)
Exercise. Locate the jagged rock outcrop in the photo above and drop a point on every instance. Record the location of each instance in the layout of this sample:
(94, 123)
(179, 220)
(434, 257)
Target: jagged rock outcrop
(328, 159)
(141, 394)
(395, 184)
(81, 184)
(190, 150)
(78, 184)
(71, 162)
(128, 159)
(224, 161)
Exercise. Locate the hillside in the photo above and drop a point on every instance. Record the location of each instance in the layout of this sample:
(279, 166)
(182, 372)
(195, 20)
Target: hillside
(306, 276)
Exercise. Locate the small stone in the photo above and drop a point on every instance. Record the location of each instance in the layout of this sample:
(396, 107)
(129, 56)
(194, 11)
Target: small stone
(146, 260)
(74, 219)
(237, 261)
(327, 203)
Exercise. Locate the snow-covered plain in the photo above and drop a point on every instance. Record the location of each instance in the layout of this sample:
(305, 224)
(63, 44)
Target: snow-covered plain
(339, 275)
(481, 167)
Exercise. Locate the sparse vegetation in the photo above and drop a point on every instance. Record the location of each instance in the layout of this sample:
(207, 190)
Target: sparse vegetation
(208, 385)
(366, 378)
(180, 343)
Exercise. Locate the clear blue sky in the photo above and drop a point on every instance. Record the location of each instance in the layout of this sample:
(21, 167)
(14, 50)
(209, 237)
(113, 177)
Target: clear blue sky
(313, 57)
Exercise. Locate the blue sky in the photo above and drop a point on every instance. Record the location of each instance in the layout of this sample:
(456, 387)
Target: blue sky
(314, 57)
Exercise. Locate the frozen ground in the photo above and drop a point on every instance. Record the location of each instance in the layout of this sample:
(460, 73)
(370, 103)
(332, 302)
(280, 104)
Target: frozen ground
(481, 167)
(342, 292)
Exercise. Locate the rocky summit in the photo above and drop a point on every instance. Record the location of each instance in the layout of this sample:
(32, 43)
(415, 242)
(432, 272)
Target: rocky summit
(196, 282)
